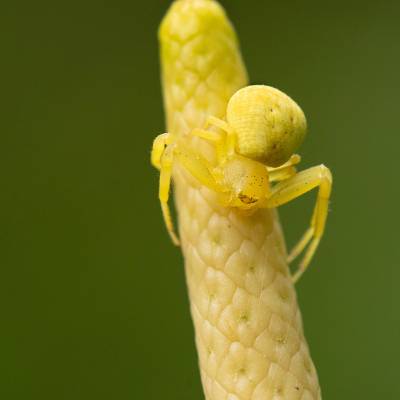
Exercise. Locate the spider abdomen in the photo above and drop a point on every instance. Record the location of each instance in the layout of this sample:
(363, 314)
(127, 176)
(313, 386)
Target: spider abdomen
(268, 124)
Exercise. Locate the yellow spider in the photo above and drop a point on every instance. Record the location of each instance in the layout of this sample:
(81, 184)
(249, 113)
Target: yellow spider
(254, 147)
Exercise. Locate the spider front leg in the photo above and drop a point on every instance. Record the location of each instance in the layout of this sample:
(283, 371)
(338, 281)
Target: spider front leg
(285, 171)
(215, 138)
(230, 134)
(166, 164)
(197, 165)
(295, 186)
(193, 163)
(159, 144)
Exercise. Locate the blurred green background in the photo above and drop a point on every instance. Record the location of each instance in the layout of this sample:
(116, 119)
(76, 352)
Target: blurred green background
(92, 293)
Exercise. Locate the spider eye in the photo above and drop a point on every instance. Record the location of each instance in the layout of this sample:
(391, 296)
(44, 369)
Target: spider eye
(247, 199)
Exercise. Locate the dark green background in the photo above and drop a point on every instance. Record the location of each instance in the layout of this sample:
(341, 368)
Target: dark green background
(92, 294)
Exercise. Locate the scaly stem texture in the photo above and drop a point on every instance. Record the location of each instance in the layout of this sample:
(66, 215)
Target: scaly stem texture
(248, 326)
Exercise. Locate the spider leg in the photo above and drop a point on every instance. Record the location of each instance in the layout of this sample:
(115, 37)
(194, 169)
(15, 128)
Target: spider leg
(285, 171)
(293, 160)
(218, 122)
(295, 186)
(194, 164)
(165, 184)
(198, 166)
(215, 138)
(230, 134)
(282, 174)
(158, 149)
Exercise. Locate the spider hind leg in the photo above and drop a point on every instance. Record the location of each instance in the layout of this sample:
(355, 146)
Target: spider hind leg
(294, 187)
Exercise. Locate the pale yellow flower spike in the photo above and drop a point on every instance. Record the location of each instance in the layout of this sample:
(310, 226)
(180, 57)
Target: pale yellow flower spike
(247, 322)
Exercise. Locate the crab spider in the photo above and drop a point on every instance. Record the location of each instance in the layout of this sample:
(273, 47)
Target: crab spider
(254, 148)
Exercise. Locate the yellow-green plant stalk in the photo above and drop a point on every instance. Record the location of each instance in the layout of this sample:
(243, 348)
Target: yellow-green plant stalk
(248, 326)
